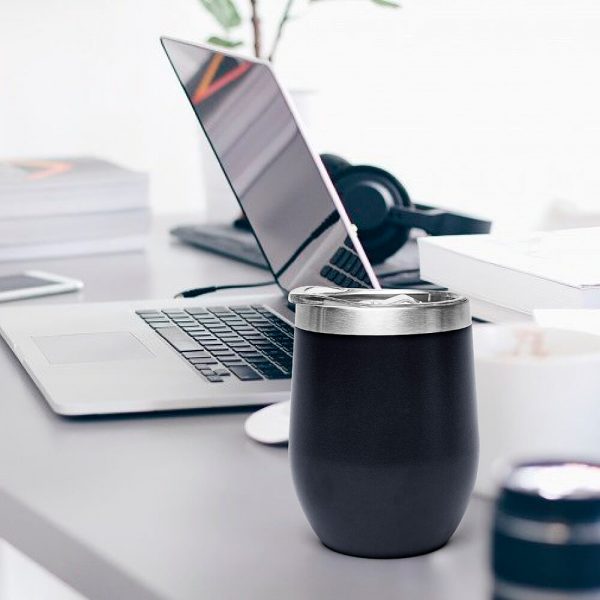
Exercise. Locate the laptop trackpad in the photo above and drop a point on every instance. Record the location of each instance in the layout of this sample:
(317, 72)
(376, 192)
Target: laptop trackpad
(91, 347)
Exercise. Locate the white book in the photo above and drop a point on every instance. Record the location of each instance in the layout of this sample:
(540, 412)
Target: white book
(74, 248)
(67, 228)
(521, 273)
(83, 171)
(69, 186)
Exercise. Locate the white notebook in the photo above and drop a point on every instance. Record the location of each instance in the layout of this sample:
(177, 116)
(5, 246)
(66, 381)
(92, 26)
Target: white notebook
(557, 269)
(50, 187)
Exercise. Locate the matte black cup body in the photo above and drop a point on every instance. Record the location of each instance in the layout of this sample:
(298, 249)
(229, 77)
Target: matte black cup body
(383, 438)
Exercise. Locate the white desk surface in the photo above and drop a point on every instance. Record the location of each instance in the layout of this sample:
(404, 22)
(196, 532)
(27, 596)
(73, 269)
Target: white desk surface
(183, 505)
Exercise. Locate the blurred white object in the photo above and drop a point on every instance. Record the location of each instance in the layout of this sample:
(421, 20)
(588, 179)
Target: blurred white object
(270, 425)
(563, 214)
(538, 394)
(587, 320)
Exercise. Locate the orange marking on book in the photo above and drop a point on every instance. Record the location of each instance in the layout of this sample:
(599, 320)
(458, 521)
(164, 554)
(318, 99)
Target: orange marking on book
(45, 168)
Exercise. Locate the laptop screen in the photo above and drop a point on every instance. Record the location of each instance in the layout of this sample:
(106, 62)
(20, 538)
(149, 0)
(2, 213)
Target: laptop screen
(270, 168)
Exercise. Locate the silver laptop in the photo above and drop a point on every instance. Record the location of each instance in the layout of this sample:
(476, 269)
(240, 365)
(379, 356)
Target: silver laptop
(209, 352)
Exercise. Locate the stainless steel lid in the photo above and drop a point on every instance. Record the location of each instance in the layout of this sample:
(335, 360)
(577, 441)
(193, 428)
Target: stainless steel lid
(343, 311)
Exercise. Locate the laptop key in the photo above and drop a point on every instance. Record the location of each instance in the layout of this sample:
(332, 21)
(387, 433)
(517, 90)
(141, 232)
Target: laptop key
(203, 369)
(277, 375)
(240, 346)
(181, 341)
(206, 360)
(339, 278)
(244, 373)
(211, 346)
(214, 378)
(203, 361)
(196, 354)
(264, 344)
(174, 313)
(337, 257)
(248, 355)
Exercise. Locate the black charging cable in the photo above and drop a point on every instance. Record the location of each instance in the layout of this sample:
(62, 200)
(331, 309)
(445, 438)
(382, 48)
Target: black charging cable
(195, 292)
(320, 230)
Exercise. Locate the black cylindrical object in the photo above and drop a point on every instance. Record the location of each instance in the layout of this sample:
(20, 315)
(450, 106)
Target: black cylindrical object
(383, 431)
(546, 535)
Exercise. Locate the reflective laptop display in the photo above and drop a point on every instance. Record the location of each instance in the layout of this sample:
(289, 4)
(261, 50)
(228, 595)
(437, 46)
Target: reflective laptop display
(269, 166)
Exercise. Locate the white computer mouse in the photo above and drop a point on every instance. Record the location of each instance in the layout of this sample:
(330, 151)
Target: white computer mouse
(270, 425)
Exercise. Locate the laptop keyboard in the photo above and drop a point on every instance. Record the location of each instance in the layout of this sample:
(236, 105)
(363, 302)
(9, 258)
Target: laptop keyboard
(249, 342)
(345, 269)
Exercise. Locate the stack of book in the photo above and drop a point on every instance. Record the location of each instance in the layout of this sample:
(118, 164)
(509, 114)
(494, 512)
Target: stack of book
(507, 278)
(70, 206)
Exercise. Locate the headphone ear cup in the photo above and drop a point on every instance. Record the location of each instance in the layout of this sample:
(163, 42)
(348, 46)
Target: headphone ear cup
(334, 165)
(368, 194)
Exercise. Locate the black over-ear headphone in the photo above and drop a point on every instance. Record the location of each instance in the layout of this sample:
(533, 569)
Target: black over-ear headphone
(383, 212)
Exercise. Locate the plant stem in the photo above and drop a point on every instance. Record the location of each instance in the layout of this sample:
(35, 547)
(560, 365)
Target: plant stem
(256, 29)
(285, 17)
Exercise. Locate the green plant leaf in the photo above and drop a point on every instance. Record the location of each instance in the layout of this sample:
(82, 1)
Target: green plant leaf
(387, 3)
(224, 11)
(215, 40)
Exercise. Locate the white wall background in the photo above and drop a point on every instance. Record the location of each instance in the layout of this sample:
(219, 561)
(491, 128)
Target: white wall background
(489, 106)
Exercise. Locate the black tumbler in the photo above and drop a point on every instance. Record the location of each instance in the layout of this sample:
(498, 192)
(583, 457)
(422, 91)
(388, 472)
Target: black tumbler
(546, 534)
(383, 431)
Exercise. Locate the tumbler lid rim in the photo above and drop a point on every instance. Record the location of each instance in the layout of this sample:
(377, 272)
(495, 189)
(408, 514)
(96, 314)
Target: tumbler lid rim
(351, 311)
